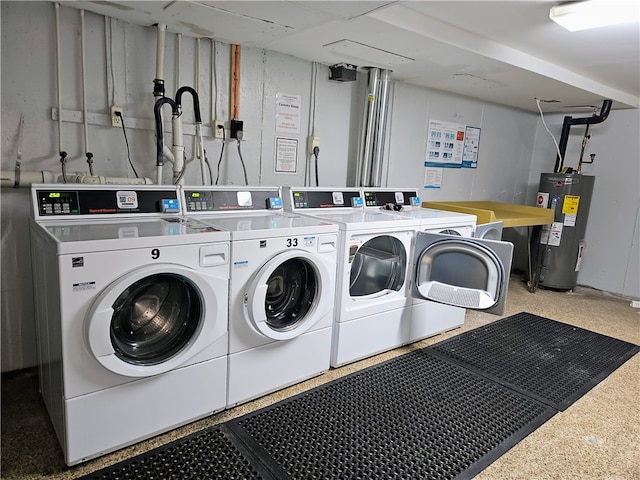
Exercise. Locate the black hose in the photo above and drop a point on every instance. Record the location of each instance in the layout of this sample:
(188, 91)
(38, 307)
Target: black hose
(196, 101)
(159, 130)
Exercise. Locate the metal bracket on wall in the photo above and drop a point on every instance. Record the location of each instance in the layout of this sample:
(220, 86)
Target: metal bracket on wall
(104, 119)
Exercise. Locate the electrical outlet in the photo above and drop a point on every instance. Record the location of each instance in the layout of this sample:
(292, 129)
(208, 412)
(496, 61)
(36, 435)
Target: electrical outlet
(116, 120)
(218, 129)
(312, 142)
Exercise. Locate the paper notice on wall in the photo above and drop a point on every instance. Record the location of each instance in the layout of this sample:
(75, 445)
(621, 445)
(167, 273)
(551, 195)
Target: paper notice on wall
(288, 110)
(551, 235)
(432, 177)
(471, 147)
(445, 144)
(286, 155)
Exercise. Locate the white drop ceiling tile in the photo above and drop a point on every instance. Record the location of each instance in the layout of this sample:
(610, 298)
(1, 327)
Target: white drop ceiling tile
(289, 15)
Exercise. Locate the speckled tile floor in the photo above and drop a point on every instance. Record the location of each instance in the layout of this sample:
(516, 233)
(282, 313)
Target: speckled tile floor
(598, 437)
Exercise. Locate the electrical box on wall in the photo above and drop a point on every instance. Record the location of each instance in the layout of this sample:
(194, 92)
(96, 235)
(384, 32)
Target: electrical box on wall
(235, 127)
(342, 72)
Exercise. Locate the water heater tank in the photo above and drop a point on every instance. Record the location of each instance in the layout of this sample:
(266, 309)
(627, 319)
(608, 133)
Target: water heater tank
(557, 251)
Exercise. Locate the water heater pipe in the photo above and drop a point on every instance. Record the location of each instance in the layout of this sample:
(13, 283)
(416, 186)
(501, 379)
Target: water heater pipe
(569, 122)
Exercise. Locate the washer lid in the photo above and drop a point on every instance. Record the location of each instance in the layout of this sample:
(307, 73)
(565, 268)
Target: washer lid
(269, 225)
(73, 236)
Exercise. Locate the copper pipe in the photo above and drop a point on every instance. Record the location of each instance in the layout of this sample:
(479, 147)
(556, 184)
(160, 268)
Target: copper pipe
(235, 89)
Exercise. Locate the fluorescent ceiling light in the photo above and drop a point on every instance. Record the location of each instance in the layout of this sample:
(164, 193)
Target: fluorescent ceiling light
(576, 16)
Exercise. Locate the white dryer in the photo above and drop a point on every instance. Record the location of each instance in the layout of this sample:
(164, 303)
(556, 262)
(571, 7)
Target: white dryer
(131, 314)
(448, 274)
(374, 263)
(283, 269)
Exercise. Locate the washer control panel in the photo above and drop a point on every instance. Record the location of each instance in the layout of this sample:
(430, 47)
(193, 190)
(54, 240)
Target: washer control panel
(209, 199)
(59, 201)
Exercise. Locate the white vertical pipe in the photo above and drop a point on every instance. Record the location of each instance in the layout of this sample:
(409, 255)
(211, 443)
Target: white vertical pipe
(178, 61)
(178, 151)
(109, 57)
(59, 76)
(84, 84)
(214, 85)
(196, 84)
(162, 28)
(159, 88)
(199, 142)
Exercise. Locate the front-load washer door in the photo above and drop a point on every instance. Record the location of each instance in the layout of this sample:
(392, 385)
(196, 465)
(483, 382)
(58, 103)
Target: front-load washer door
(378, 267)
(464, 272)
(155, 318)
(288, 295)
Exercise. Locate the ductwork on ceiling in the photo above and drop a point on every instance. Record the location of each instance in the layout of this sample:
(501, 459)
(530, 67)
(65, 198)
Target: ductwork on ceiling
(374, 124)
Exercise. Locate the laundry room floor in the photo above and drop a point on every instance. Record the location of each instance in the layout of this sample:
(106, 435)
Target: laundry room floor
(598, 437)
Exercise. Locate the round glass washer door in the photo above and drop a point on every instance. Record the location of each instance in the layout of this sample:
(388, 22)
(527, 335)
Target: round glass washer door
(153, 320)
(288, 295)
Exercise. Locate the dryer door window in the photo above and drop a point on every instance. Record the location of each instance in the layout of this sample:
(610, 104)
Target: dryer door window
(291, 290)
(377, 266)
(155, 318)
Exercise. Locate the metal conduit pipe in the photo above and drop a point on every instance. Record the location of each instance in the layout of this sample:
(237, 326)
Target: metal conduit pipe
(371, 147)
(377, 158)
(363, 167)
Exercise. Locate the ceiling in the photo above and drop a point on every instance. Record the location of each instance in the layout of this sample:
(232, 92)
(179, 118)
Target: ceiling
(506, 52)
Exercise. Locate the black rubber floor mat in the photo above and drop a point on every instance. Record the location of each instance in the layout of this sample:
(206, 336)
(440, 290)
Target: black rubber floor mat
(413, 417)
(214, 453)
(553, 362)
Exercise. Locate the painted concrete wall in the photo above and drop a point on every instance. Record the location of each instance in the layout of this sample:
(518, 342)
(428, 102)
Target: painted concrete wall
(120, 61)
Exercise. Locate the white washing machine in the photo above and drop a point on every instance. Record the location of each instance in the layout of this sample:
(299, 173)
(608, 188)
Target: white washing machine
(448, 274)
(282, 291)
(374, 261)
(131, 314)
